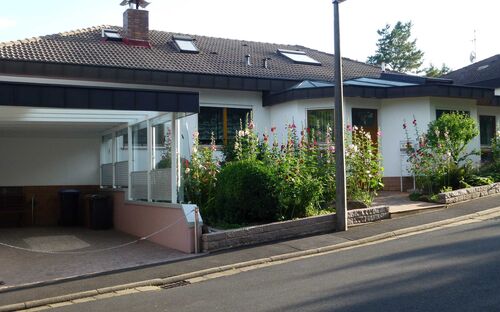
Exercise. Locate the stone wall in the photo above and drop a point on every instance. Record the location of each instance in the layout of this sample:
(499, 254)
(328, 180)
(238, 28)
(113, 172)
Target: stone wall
(359, 216)
(468, 193)
(287, 229)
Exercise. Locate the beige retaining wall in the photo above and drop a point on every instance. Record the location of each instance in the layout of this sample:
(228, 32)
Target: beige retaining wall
(468, 193)
(287, 229)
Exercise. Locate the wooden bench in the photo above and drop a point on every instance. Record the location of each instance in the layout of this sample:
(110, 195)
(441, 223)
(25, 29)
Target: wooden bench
(12, 206)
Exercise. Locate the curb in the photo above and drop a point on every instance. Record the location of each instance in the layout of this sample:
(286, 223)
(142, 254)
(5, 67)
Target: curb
(283, 257)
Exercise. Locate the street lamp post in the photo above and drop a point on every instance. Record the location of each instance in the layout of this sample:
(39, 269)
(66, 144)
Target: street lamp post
(340, 201)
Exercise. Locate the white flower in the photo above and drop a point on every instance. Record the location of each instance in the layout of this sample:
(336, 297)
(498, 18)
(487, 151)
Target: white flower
(187, 170)
(241, 133)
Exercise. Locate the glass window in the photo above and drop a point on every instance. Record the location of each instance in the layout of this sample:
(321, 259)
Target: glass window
(222, 122)
(185, 44)
(318, 121)
(122, 145)
(140, 147)
(111, 35)
(487, 129)
(107, 149)
(298, 57)
(162, 148)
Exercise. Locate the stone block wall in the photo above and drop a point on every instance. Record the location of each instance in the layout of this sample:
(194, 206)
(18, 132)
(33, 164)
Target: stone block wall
(468, 193)
(287, 229)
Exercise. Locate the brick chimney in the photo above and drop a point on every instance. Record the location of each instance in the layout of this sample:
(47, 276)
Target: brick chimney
(136, 27)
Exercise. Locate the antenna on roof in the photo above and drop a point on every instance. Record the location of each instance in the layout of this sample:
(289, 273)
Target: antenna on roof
(473, 54)
(138, 3)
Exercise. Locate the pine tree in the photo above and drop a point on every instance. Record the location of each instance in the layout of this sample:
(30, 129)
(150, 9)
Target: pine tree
(396, 50)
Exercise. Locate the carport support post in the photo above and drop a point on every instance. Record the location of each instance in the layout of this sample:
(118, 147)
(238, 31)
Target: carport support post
(150, 156)
(130, 161)
(174, 159)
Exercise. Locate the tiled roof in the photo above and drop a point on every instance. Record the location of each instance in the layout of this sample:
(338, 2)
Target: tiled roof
(477, 73)
(217, 56)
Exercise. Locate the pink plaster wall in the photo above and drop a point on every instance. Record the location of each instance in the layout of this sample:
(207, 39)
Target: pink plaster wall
(143, 219)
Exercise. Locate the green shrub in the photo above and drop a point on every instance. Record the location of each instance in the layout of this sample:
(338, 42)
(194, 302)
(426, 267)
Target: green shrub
(244, 194)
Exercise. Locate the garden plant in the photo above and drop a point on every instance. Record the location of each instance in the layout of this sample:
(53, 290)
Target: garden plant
(267, 179)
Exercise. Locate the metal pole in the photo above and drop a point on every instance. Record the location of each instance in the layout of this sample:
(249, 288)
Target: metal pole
(340, 200)
(196, 222)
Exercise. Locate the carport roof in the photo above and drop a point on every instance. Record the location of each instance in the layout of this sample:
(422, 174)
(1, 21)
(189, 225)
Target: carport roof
(86, 97)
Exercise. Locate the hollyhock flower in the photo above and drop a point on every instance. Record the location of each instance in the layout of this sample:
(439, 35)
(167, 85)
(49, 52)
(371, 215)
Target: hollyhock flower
(414, 122)
(273, 129)
(196, 134)
(404, 125)
(349, 128)
(379, 133)
(251, 125)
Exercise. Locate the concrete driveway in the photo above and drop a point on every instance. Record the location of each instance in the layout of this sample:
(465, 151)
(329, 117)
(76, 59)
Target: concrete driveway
(69, 252)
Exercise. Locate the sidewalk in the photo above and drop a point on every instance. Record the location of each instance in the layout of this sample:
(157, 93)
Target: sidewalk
(247, 254)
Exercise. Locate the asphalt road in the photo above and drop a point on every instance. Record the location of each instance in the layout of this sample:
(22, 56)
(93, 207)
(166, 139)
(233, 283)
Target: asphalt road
(453, 269)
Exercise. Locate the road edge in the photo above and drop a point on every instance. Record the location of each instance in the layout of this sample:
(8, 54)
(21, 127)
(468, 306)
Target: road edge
(241, 265)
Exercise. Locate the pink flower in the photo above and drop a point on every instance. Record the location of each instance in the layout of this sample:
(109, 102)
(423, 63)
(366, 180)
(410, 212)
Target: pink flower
(273, 129)
(379, 133)
(292, 126)
(414, 122)
(251, 125)
(404, 125)
(349, 128)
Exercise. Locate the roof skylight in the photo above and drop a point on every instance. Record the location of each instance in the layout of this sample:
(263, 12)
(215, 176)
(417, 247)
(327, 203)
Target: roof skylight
(185, 44)
(299, 57)
(111, 34)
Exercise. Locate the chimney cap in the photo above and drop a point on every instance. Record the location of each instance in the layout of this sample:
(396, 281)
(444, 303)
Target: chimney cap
(138, 3)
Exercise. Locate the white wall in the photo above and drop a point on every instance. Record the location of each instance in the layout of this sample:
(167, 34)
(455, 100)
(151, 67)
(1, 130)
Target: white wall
(49, 161)
(393, 113)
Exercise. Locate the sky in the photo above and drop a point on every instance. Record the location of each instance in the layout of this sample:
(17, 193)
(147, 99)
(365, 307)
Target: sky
(444, 29)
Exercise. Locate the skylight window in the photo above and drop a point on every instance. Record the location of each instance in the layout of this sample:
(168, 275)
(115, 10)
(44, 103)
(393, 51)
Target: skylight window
(111, 35)
(185, 44)
(299, 57)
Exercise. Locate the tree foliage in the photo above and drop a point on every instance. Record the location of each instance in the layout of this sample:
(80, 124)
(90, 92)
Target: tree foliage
(433, 71)
(396, 49)
(459, 129)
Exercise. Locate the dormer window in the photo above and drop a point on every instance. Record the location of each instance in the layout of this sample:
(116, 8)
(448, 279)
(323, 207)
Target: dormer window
(111, 35)
(185, 44)
(299, 57)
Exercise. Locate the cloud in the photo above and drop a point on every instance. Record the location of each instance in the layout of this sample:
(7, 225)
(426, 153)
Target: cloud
(6, 23)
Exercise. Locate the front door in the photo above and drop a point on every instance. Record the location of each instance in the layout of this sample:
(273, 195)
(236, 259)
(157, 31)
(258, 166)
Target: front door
(366, 118)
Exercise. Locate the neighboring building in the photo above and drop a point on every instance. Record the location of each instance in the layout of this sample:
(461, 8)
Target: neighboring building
(485, 73)
(111, 106)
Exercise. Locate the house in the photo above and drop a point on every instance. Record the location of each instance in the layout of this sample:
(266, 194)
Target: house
(485, 73)
(116, 107)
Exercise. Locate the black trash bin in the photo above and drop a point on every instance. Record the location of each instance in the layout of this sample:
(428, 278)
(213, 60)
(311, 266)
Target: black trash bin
(69, 200)
(100, 212)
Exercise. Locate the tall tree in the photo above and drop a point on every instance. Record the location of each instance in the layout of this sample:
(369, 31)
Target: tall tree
(433, 71)
(396, 50)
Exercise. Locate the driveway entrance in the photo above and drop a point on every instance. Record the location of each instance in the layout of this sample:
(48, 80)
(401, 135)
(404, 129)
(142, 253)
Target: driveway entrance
(69, 252)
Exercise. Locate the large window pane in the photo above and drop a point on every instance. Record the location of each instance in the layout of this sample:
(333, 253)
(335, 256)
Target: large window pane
(222, 122)
(318, 121)
(140, 147)
(487, 125)
(122, 145)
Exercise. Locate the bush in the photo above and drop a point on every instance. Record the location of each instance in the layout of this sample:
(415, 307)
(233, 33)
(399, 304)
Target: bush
(244, 194)
(439, 159)
(454, 131)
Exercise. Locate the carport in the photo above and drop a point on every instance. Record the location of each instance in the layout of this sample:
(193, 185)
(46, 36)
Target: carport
(123, 140)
